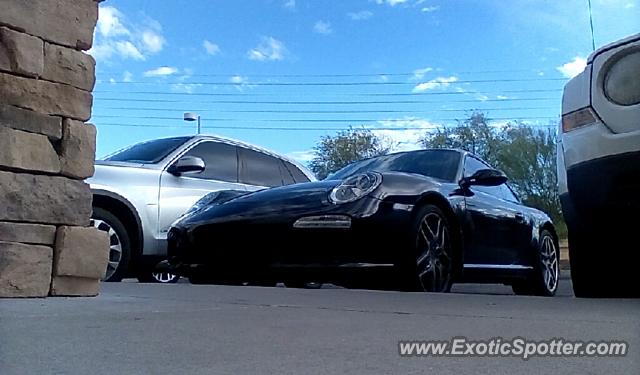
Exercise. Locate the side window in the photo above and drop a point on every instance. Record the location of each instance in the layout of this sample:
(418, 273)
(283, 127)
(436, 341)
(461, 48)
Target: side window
(507, 194)
(297, 174)
(471, 166)
(259, 169)
(287, 178)
(221, 161)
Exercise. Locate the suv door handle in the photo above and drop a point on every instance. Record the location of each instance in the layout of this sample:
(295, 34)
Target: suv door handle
(519, 217)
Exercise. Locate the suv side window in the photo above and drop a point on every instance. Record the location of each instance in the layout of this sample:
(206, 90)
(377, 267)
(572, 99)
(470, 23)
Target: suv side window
(221, 161)
(260, 169)
(297, 174)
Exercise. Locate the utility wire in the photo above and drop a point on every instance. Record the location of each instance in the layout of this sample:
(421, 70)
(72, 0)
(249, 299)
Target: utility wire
(310, 111)
(332, 120)
(435, 127)
(248, 84)
(332, 94)
(296, 102)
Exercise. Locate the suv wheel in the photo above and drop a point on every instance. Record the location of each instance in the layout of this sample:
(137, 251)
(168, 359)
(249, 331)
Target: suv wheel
(119, 243)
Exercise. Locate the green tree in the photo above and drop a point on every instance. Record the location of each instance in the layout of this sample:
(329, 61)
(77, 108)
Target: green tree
(473, 134)
(335, 152)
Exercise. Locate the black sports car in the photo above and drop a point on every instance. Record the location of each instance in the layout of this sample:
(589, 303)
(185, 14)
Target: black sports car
(417, 220)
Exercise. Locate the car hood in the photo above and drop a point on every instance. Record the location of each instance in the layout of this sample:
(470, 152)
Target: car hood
(282, 202)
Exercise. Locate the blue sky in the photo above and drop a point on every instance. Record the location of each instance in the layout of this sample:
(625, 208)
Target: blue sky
(283, 73)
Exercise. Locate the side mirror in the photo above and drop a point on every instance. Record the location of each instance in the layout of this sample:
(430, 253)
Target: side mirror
(484, 177)
(187, 164)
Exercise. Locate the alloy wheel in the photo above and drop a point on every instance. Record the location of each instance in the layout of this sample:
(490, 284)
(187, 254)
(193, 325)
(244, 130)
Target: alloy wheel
(164, 277)
(550, 266)
(115, 247)
(434, 262)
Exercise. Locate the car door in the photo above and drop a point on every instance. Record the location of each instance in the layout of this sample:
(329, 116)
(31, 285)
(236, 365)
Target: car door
(495, 236)
(179, 193)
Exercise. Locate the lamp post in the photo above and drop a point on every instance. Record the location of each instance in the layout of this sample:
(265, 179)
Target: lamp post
(189, 116)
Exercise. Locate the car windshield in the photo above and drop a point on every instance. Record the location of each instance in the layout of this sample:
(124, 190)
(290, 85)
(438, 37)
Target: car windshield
(149, 152)
(439, 164)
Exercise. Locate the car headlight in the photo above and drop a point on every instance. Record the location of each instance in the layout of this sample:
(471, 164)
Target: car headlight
(621, 84)
(355, 187)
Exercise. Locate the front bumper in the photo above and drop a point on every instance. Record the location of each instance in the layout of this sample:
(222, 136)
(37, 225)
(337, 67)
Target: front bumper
(378, 237)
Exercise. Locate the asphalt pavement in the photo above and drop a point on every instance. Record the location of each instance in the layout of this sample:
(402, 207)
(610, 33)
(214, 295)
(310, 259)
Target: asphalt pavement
(136, 328)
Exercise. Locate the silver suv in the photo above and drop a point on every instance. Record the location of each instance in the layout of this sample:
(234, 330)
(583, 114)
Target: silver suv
(140, 190)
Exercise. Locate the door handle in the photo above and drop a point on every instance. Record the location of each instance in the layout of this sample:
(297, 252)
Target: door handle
(519, 218)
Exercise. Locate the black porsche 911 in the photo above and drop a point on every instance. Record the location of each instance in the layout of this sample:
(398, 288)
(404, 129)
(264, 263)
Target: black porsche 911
(417, 220)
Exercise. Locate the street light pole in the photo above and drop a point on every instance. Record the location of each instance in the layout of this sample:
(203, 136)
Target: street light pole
(189, 116)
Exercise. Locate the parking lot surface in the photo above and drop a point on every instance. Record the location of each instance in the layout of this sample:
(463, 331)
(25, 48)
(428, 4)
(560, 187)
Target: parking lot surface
(136, 328)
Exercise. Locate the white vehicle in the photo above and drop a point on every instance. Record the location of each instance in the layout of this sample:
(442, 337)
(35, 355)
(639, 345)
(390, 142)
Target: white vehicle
(140, 190)
(599, 171)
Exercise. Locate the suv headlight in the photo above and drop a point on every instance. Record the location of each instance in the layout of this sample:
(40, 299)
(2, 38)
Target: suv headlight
(355, 187)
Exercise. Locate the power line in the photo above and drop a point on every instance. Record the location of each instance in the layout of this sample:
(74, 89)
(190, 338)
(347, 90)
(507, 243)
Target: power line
(330, 120)
(309, 111)
(344, 75)
(227, 83)
(97, 99)
(332, 94)
(435, 127)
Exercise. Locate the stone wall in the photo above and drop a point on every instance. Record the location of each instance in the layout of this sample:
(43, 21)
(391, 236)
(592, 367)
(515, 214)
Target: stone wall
(46, 150)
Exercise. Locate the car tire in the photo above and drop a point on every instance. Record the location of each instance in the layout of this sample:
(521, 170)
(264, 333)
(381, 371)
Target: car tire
(119, 244)
(432, 256)
(546, 269)
(595, 275)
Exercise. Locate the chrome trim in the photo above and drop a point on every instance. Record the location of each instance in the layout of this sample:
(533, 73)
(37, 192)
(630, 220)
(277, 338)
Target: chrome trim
(324, 221)
(499, 266)
(365, 265)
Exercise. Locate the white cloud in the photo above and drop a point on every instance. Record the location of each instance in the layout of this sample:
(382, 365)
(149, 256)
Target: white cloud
(408, 136)
(391, 2)
(322, 27)
(116, 36)
(430, 9)
(502, 97)
(361, 15)
(419, 73)
(238, 79)
(109, 24)
(162, 71)
(126, 49)
(482, 97)
(188, 88)
(152, 41)
(211, 48)
(436, 83)
(573, 68)
(302, 156)
(269, 49)
(290, 4)
(127, 76)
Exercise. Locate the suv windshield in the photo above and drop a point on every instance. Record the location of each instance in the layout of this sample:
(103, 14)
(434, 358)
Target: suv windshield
(440, 164)
(149, 152)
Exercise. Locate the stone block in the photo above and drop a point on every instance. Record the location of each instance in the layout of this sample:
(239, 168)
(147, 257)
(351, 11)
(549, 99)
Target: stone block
(45, 97)
(37, 234)
(81, 252)
(23, 52)
(66, 22)
(74, 286)
(77, 149)
(30, 121)
(27, 151)
(69, 66)
(25, 270)
(44, 199)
